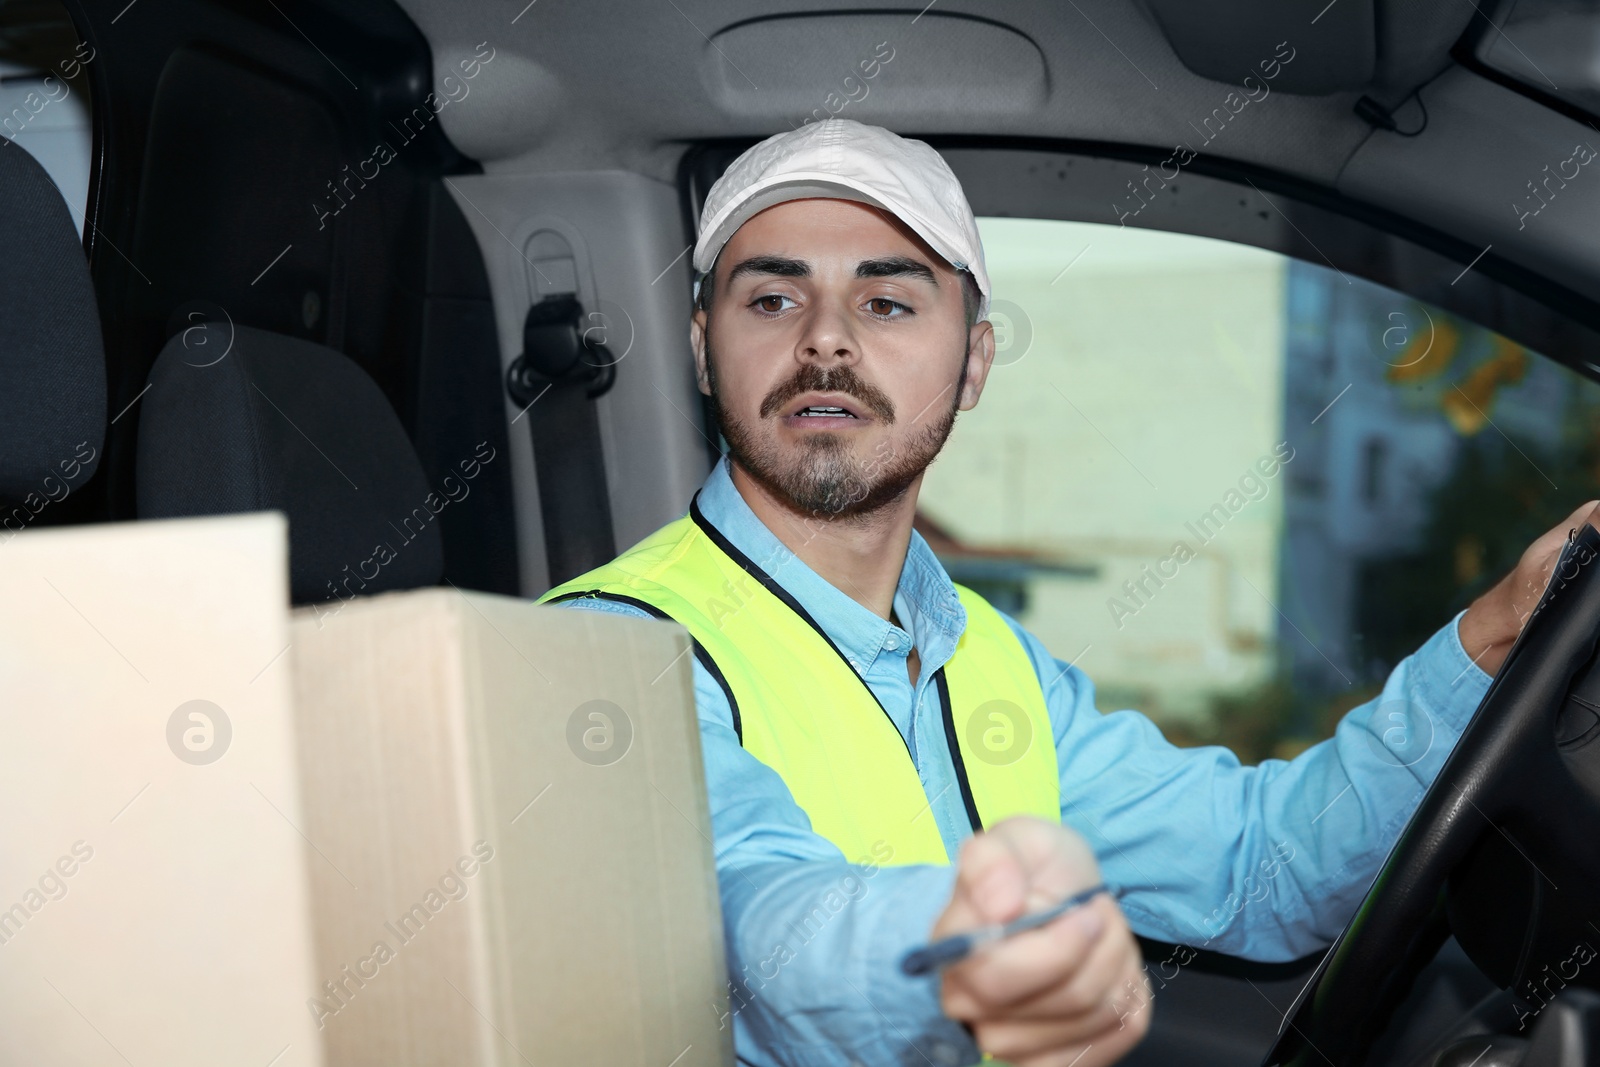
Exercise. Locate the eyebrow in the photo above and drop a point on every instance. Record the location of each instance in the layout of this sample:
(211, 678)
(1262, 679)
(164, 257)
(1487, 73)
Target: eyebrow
(786, 267)
(781, 266)
(895, 267)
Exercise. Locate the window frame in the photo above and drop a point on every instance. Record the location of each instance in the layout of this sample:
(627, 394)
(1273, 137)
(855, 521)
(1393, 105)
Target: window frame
(1324, 226)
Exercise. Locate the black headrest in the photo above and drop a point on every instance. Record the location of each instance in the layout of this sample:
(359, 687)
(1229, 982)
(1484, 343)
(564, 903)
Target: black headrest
(52, 364)
(239, 419)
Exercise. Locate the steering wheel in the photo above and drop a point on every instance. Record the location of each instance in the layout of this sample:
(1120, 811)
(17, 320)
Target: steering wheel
(1525, 774)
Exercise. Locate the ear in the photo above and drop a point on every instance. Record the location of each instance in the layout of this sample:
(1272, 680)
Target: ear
(697, 342)
(979, 357)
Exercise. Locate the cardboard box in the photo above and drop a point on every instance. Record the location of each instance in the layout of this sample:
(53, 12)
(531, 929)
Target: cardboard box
(153, 887)
(515, 861)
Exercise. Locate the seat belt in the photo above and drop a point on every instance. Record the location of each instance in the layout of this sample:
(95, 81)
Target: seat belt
(556, 380)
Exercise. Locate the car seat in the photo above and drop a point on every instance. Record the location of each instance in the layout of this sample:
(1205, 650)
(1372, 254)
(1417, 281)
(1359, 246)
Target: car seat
(52, 360)
(239, 419)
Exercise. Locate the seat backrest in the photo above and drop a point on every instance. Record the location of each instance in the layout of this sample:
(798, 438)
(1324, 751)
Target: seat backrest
(52, 362)
(239, 419)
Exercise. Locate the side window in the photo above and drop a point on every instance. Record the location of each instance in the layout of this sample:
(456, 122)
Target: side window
(44, 96)
(1237, 488)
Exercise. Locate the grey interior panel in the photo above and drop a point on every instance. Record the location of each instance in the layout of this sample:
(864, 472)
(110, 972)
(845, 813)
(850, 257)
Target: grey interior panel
(1481, 167)
(617, 84)
(619, 236)
(1227, 40)
(955, 66)
(1414, 41)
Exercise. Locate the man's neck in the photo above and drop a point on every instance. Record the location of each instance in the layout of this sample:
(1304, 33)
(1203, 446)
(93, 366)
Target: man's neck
(862, 556)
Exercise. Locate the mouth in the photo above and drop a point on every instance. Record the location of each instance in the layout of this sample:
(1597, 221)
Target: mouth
(820, 411)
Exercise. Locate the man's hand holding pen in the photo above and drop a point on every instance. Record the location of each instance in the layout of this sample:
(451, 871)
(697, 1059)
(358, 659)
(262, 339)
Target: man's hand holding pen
(1070, 992)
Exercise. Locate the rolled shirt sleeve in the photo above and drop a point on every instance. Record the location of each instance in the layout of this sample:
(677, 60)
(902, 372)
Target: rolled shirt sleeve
(1265, 862)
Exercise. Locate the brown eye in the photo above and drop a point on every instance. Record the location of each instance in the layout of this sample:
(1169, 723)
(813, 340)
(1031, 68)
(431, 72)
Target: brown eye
(882, 306)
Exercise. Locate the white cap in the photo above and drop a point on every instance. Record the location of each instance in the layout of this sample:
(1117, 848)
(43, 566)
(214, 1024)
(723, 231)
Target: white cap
(845, 160)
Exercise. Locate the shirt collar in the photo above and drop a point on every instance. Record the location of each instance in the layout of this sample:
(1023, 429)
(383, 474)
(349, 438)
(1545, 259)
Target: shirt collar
(925, 600)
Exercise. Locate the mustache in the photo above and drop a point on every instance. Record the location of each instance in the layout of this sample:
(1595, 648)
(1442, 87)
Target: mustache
(811, 378)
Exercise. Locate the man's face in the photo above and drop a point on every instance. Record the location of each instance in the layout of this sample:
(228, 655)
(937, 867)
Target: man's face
(836, 354)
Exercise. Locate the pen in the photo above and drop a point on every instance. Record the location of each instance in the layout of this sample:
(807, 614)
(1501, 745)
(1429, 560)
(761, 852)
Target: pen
(948, 950)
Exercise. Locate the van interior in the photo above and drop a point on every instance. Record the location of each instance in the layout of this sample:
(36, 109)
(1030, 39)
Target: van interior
(421, 232)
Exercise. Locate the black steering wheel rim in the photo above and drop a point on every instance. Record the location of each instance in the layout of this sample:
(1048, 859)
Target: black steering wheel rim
(1506, 775)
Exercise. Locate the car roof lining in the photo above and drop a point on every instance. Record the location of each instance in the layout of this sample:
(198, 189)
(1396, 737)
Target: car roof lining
(603, 84)
(609, 84)
(1115, 72)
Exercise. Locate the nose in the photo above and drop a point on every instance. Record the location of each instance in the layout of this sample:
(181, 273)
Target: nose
(828, 335)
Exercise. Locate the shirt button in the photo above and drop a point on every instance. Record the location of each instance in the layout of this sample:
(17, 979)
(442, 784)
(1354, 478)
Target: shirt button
(891, 643)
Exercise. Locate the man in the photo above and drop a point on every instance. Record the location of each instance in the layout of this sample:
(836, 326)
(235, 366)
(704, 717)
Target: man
(846, 688)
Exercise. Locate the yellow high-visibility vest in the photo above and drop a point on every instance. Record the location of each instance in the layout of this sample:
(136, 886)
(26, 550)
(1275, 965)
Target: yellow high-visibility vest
(801, 708)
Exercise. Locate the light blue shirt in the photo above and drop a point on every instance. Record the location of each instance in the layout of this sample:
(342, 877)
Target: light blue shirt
(1264, 862)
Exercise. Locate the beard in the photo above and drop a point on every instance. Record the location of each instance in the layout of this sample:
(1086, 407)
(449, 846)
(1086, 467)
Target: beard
(822, 475)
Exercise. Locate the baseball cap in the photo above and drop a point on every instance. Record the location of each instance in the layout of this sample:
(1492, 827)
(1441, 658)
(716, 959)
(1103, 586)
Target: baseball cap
(847, 160)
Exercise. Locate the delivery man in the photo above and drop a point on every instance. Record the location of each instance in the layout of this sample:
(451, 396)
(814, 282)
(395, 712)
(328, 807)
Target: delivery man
(863, 718)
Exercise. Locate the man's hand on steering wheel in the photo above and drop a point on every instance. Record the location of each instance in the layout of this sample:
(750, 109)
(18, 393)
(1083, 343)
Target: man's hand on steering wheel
(1494, 620)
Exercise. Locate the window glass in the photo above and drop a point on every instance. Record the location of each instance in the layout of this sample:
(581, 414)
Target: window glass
(1237, 488)
(44, 95)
